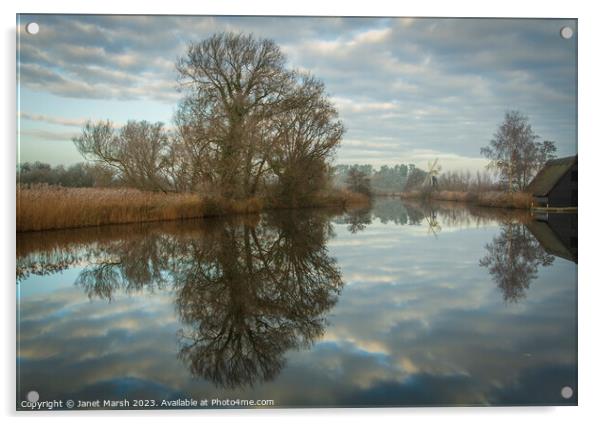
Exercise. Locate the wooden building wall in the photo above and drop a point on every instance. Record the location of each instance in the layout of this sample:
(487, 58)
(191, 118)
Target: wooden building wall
(564, 194)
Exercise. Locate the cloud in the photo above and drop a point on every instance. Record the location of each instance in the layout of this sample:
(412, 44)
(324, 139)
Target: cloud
(68, 122)
(349, 105)
(53, 136)
(439, 84)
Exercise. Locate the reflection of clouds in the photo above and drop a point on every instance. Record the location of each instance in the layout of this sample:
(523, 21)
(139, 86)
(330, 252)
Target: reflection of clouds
(78, 335)
(417, 323)
(438, 314)
(99, 341)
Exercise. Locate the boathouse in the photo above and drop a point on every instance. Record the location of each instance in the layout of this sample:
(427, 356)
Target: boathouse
(555, 186)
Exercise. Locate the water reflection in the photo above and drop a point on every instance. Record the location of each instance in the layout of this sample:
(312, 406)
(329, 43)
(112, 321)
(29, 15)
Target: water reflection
(386, 210)
(129, 265)
(357, 219)
(248, 294)
(513, 258)
(254, 307)
(556, 233)
(151, 258)
(247, 290)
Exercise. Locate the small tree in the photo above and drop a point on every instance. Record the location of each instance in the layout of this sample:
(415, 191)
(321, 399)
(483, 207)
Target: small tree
(515, 153)
(415, 178)
(358, 181)
(137, 151)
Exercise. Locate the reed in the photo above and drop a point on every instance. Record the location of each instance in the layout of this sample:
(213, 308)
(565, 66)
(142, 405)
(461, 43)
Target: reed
(496, 199)
(518, 200)
(43, 207)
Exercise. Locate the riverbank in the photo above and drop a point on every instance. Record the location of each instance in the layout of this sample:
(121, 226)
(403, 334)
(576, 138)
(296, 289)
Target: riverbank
(50, 207)
(514, 200)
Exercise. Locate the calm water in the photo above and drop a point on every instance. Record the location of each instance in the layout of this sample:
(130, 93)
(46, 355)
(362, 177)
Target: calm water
(398, 305)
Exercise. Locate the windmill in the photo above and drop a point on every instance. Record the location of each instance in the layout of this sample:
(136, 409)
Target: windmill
(431, 175)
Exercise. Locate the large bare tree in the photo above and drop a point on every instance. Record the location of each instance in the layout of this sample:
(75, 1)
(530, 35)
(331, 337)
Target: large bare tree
(245, 122)
(245, 116)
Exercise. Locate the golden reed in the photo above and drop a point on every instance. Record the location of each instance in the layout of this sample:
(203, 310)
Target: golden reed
(43, 207)
(49, 207)
(517, 200)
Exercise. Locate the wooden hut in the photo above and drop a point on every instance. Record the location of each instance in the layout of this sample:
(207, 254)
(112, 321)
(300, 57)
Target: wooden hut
(555, 186)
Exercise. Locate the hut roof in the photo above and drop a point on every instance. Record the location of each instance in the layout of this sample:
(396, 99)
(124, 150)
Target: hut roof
(549, 175)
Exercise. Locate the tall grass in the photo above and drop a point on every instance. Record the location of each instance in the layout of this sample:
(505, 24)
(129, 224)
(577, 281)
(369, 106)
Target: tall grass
(43, 207)
(519, 200)
(50, 207)
(497, 199)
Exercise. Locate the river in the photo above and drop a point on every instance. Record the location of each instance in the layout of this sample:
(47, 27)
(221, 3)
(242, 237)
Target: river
(400, 304)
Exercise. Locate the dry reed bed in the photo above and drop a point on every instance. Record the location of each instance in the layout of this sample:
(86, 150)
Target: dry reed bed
(517, 200)
(45, 207)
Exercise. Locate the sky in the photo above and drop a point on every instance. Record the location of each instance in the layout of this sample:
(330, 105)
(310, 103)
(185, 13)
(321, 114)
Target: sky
(408, 90)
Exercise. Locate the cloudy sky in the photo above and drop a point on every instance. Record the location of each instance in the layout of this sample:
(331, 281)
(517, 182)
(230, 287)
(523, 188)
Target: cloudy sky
(408, 90)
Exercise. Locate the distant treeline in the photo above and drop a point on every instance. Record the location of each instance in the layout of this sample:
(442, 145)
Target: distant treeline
(77, 175)
(515, 152)
(407, 177)
(386, 179)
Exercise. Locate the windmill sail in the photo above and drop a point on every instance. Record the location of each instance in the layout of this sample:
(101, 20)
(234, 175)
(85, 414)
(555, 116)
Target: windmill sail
(431, 175)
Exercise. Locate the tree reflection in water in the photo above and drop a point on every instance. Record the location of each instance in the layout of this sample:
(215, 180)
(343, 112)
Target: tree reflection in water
(252, 293)
(129, 265)
(247, 290)
(513, 258)
(357, 219)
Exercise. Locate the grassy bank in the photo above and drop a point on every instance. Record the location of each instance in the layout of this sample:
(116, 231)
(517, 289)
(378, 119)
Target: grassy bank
(48, 207)
(517, 200)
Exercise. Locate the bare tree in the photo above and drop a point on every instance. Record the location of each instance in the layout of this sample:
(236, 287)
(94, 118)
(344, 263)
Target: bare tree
(545, 152)
(244, 121)
(466, 181)
(515, 153)
(246, 118)
(137, 151)
(306, 137)
(232, 84)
